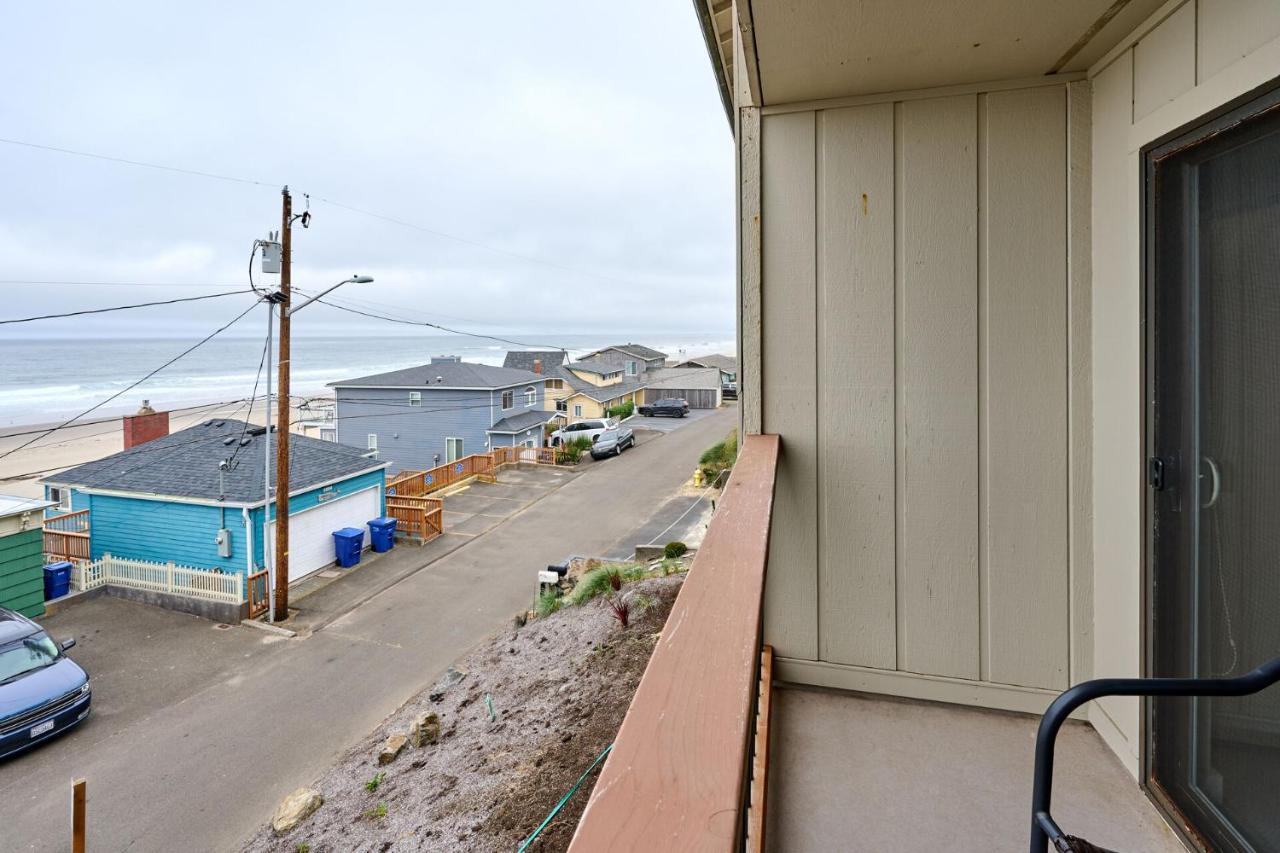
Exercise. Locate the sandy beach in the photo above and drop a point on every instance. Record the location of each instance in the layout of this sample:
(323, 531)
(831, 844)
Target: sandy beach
(21, 472)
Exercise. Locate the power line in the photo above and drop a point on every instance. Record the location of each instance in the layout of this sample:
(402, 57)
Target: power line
(122, 307)
(252, 397)
(92, 156)
(436, 326)
(47, 282)
(4, 435)
(130, 387)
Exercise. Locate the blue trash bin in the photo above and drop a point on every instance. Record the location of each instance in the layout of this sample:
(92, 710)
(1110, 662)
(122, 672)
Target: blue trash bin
(347, 543)
(57, 580)
(382, 534)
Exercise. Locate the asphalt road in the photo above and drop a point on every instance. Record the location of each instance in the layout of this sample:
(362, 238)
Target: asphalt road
(198, 732)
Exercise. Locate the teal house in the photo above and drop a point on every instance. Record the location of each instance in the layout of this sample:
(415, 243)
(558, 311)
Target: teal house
(195, 498)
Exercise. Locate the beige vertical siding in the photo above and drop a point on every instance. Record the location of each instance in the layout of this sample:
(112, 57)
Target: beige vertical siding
(919, 374)
(856, 572)
(789, 393)
(1196, 58)
(1024, 383)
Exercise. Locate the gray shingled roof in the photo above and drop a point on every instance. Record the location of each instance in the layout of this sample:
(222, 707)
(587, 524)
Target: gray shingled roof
(600, 368)
(523, 359)
(632, 349)
(601, 393)
(724, 362)
(184, 464)
(522, 421)
(443, 374)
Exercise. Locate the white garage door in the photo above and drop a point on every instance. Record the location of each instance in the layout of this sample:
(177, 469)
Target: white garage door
(311, 531)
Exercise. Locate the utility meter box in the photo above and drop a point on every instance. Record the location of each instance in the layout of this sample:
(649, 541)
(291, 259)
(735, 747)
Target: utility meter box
(223, 541)
(270, 257)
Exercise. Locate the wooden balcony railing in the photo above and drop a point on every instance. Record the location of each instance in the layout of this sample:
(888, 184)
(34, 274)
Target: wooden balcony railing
(677, 776)
(417, 516)
(416, 483)
(66, 537)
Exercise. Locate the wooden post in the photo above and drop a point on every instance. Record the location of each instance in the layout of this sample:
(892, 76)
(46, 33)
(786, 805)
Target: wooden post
(77, 815)
(282, 414)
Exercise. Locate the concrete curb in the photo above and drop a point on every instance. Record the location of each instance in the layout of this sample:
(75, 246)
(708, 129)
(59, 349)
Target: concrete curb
(269, 628)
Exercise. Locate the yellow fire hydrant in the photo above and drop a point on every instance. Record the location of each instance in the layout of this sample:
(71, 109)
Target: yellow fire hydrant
(697, 478)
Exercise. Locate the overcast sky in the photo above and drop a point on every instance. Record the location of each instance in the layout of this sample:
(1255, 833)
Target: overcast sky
(587, 135)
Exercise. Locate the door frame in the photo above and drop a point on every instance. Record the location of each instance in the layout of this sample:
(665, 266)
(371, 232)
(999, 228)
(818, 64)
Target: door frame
(1251, 105)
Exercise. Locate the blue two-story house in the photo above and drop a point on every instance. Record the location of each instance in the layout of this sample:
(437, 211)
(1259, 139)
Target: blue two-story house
(195, 498)
(421, 417)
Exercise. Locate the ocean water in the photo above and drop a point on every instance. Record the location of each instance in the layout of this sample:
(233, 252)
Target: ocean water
(53, 379)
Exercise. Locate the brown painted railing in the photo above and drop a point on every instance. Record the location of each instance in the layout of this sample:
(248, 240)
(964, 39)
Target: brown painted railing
(677, 776)
(256, 592)
(66, 537)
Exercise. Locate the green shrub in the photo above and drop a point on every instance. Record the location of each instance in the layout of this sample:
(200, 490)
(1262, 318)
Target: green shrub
(622, 410)
(571, 451)
(372, 784)
(719, 458)
(548, 603)
(674, 549)
(600, 581)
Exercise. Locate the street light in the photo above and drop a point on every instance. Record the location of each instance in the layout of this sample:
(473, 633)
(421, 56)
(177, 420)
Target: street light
(278, 585)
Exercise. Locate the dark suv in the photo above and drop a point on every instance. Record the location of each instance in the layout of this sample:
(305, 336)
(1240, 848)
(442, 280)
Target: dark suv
(673, 407)
(42, 691)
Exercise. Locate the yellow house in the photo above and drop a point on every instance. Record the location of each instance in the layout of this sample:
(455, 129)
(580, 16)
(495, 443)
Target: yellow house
(588, 389)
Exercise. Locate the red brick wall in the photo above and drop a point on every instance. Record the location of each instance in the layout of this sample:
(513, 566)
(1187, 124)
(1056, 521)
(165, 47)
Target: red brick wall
(139, 429)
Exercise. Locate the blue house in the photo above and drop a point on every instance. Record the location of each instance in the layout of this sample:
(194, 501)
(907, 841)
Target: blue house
(424, 416)
(195, 498)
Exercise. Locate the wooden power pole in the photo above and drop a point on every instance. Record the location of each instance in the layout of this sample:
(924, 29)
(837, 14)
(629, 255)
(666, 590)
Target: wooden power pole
(282, 418)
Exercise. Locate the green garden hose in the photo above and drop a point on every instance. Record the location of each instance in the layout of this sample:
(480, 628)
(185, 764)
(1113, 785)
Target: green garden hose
(564, 799)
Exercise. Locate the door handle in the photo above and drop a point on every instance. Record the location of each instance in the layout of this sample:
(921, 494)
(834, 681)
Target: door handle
(1215, 488)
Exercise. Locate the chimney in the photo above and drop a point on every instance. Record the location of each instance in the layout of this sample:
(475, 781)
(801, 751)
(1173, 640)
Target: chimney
(537, 365)
(146, 425)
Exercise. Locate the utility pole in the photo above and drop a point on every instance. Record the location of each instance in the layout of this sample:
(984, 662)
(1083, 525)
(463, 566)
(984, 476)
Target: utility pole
(282, 410)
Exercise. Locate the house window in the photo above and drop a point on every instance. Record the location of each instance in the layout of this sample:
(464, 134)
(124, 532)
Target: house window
(508, 399)
(415, 398)
(452, 449)
(562, 406)
(328, 435)
(373, 441)
(632, 368)
(530, 396)
(555, 384)
(62, 496)
(577, 410)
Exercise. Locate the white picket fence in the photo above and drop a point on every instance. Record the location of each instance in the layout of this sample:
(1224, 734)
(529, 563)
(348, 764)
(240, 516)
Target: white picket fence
(160, 577)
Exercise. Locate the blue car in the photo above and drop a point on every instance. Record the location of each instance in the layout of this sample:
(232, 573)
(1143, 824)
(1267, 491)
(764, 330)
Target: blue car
(42, 691)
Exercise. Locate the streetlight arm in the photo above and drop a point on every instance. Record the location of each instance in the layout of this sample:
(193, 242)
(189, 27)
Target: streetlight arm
(355, 279)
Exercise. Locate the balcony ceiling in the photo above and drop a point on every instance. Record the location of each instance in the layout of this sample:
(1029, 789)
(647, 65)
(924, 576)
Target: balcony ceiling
(813, 49)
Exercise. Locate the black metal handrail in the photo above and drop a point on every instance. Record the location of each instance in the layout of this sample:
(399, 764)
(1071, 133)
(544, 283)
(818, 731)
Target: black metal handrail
(1043, 827)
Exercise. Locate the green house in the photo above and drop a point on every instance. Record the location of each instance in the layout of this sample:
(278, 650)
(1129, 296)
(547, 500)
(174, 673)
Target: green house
(22, 554)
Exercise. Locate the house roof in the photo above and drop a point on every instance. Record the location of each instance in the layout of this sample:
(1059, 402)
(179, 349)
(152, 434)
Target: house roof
(685, 377)
(522, 421)
(599, 393)
(444, 374)
(724, 362)
(185, 464)
(524, 359)
(637, 350)
(600, 368)
(13, 505)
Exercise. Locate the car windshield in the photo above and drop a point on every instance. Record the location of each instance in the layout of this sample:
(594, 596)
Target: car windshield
(31, 653)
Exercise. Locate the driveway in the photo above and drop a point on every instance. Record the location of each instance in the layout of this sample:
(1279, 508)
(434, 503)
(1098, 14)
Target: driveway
(670, 424)
(199, 732)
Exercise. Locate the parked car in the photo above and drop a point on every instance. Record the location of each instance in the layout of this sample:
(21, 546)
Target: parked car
(589, 427)
(672, 407)
(42, 691)
(612, 442)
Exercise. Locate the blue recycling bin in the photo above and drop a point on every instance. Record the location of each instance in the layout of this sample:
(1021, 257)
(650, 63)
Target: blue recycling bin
(347, 543)
(57, 580)
(382, 534)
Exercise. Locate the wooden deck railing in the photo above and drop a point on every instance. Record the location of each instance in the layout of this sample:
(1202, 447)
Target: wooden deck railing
(417, 483)
(676, 778)
(256, 590)
(66, 537)
(419, 516)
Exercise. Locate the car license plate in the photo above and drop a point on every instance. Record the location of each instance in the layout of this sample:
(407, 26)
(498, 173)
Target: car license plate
(43, 728)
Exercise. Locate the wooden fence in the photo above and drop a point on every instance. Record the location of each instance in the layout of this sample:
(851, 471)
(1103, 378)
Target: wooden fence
(66, 537)
(419, 516)
(225, 587)
(256, 586)
(418, 483)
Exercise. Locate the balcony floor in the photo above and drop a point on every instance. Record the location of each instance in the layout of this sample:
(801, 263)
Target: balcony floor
(858, 772)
